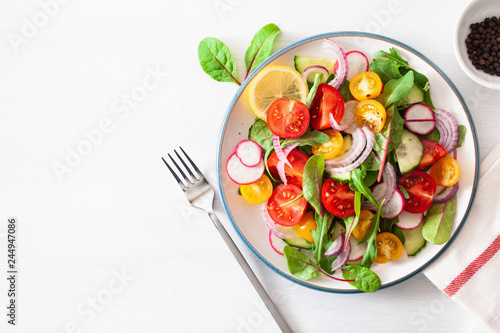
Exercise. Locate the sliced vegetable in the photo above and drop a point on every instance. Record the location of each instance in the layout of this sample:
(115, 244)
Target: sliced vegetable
(241, 174)
(287, 205)
(420, 188)
(409, 151)
(389, 247)
(349, 118)
(258, 192)
(365, 85)
(357, 250)
(447, 125)
(416, 95)
(288, 118)
(337, 246)
(357, 146)
(414, 240)
(357, 63)
(419, 118)
(327, 100)
(446, 194)
(249, 152)
(294, 174)
(305, 226)
(372, 114)
(273, 240)
(433, 151)
(342, 66)
(364, 225)
(303, 62)
(333, 147)
(409, 221)
(310, 72)
(338, 198)
(394, 206)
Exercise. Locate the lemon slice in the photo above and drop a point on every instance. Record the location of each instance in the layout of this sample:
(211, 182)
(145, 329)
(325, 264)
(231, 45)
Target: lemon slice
(275, 82)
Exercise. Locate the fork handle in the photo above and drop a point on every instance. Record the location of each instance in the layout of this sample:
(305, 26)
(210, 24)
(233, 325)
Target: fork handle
(251, 275)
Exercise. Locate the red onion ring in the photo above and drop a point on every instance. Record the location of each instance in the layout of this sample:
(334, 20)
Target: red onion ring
(450, 135)
(358, 143)
(342, 69)
(278, 231)
(336, 126)
(341, 259)
(446, 194)
(336, 247)
(315, 69)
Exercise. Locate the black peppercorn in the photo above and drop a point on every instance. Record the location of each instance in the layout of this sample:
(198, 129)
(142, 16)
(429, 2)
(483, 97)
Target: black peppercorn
(483, 43)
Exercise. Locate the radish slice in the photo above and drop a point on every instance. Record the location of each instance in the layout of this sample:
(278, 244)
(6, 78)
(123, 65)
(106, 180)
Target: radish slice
(409, 221)
(395, 206)
(349, 111)
(357, 63)
(341, 66)
(419, 118)
(357, 250)
(249, 152)
(316, 69)
(241, 174)
(446, 194)
(272, 240)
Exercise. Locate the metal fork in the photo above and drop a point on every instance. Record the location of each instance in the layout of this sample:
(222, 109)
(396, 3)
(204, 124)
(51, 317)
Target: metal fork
(200, 194)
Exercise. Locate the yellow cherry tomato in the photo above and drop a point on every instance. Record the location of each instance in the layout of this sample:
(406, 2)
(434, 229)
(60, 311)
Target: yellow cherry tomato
(370, 113)
(364, 225)
(305, 226)
(445, 171)
(365, 85)
(332, 147)
(389, 247)
(257, 192)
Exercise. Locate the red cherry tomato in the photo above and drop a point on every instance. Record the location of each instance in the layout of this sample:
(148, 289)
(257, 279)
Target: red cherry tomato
(288, 118)
(433, 151)
(284, 207)
(421, 187)
(338, 198)
(294, 174)
(327, 100)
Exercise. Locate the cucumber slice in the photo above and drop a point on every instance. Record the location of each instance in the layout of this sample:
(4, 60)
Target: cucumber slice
(302, 62)
(299, 242)
(416, 95)
(409, 151)
(343, 177)
(414, 240)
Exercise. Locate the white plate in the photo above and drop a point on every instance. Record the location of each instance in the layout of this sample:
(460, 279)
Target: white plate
(246, 217)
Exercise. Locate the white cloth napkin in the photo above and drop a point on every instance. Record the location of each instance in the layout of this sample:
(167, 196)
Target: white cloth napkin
(469, 270)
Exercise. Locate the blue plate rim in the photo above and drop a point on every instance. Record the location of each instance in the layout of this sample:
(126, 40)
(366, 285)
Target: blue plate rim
(347, 34)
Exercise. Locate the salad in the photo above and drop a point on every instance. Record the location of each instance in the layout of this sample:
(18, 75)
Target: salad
(352, 163)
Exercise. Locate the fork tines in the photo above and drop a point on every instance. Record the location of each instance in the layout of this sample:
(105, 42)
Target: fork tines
(188, 181)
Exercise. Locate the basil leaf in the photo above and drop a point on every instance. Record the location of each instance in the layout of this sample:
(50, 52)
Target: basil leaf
(320, 236)
(364, 278)
(345, 92)
(438, 222)
(217, 61)
(393, 55)
(397, 89)
(462, 131)
(386, 70)
(312, 181)
(261, 46)
(299, 264)
(309, 138)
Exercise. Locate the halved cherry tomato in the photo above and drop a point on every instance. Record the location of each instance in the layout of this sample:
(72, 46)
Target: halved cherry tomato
(285, 207)
(338, 198)
(332, 147)
(327, 100)
(445, 171)
(371, 113)
(365, 85)
(257, 192)
(305, 226)
(433, 151)
(421, 188)
(389, 247)
(364, 225)
(288, 118)
(294, 174)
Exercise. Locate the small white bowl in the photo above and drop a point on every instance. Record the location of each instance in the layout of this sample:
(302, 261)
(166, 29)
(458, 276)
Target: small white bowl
(475, 12)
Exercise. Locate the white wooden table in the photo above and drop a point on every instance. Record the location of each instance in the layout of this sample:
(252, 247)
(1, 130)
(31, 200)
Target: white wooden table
(94, 92)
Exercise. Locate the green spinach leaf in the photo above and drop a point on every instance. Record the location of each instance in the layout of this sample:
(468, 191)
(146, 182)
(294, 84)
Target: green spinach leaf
(261, 46)
(217, 61)
(313, 180)
(438, 222)
(364, 278)
(357, 181)
(260, 133)
(462, 131)
(299, 264)
(345, 92)
(420, 79)
(393, 55)
(371, 239)
(397, 89)
(320, 236)
(312, 91)
(434, 135)
(309, 138)
(386, 70)
(428, 99)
